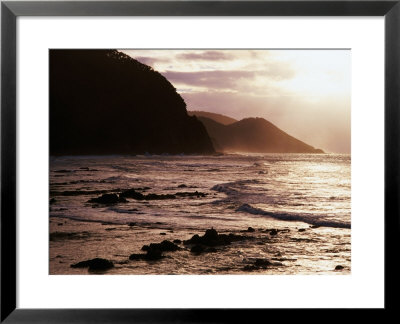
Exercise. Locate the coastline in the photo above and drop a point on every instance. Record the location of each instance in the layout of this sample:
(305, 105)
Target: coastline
(297, 248)
(110, 207)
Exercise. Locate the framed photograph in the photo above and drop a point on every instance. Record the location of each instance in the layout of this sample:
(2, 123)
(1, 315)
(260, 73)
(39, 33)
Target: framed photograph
(176, 160)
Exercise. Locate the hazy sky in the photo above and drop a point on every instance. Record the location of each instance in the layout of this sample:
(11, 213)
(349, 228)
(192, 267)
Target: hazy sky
(306, 93)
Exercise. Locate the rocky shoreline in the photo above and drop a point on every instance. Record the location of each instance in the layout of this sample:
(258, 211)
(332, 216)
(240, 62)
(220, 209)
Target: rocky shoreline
(210, 247)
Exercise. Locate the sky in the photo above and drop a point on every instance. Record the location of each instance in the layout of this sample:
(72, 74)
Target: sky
(306, 93)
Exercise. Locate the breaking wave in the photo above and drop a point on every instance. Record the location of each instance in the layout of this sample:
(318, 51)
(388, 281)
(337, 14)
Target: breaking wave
(309, 219)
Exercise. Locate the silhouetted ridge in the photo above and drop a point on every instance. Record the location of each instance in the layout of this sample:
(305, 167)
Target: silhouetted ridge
(255, 135)
(222, 119)
(105, 102)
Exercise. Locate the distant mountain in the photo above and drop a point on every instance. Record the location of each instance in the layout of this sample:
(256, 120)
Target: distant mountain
(105, 102)
(255, 135)
(222, 119)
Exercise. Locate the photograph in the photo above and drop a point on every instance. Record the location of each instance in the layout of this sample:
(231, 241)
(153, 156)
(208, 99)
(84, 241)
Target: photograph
(199, 161)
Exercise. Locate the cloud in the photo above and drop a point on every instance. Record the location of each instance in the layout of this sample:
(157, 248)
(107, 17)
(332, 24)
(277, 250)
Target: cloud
(235, 80)
(151, 61)
(304, 92)
(205, 56)
(209, 79)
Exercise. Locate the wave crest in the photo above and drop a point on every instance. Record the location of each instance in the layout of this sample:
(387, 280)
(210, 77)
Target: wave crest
(309, 219)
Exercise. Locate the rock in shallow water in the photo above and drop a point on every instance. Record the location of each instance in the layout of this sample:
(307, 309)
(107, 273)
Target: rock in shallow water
(212, 238)
(151, 255)
(197, 249)
(96, 264)
(164, 246)
(60, 236)
(273, 232)
(108, 199)
(261, 264)
(132, 193)
(191, 194)
(154, 251)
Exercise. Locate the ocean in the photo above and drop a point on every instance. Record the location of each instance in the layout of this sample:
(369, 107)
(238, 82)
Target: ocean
(293, 210)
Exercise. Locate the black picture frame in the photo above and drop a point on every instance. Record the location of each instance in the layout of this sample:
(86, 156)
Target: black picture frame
(10, 10)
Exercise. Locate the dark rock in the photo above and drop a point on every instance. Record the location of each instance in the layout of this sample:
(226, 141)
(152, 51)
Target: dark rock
(159, 197)
(283, 259)
(96, 264)
(202, 249)
(182, 186)
(78, 192)
(302, 230)
(315, 226)
(60, 236)
(151, 255)
(211, 234)
(212, 238)
(306, 240)
(251, 229)
(197, 249)
(132, 193)
(177, 241)
(194, 240)
(164, 246)
(191, 194)
(273, 232)
(108, 199)
(211, 250)
(136, 256)
(163, 233)
(262, 263)
(131, 224)
(52, 201)
(339, 267)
